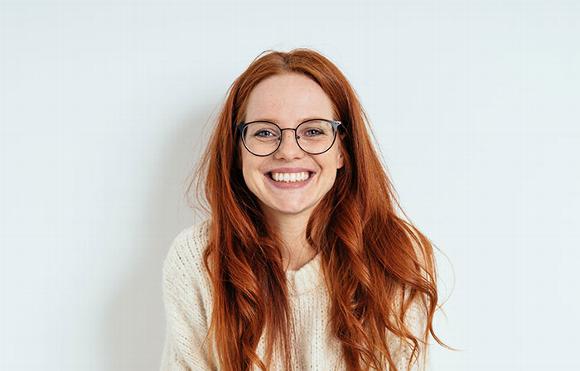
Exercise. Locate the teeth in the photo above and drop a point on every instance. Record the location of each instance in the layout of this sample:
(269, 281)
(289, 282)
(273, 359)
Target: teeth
(290, 177)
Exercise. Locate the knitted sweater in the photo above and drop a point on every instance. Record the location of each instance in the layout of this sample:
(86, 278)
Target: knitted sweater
(188, 302)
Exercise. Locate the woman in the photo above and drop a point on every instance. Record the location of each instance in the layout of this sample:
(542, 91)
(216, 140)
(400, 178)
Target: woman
(303, 263)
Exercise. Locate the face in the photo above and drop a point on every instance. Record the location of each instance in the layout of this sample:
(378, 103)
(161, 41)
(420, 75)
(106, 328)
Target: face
(288, 100)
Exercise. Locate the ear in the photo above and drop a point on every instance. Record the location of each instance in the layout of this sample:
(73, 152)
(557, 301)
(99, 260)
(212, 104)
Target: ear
(340, 160)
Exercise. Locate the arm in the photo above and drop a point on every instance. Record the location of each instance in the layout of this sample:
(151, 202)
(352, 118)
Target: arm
(185, 313)
(416, 320)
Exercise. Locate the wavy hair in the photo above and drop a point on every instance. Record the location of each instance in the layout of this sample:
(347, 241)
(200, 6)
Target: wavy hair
(376, 265)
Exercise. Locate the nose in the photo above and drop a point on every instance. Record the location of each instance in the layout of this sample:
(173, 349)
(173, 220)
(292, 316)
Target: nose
(289, 147)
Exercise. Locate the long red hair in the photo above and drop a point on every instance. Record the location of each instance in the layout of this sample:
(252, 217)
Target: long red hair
(376, 265)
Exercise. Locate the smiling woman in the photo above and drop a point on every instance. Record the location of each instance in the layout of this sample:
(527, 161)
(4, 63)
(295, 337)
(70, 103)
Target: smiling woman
(303, 262)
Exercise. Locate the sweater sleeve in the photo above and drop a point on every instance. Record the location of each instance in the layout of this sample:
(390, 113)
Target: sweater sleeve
(185, 312)
(417, 321)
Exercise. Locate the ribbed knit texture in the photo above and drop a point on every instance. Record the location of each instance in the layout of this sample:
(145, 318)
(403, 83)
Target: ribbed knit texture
(188, 302)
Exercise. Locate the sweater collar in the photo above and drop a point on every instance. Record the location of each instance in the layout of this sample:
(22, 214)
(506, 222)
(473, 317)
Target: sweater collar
(305, 279)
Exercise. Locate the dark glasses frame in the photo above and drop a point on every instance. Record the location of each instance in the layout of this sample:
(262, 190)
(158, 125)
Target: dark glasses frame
(240, 127)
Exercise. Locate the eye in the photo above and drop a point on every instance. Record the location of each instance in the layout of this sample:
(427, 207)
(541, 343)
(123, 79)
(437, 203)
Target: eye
(313, 132)
(260, 132)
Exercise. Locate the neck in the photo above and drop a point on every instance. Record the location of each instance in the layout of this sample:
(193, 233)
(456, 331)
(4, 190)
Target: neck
(292, 229)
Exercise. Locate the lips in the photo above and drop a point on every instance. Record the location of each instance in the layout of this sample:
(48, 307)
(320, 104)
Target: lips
(290, 170)
(310, 173)
(288, 185)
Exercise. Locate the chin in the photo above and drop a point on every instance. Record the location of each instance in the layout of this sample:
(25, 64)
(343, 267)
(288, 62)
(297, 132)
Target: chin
(292, 210)
(286, 210)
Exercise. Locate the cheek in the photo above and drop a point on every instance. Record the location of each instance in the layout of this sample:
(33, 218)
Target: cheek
(245, 161)
(329, 168)
(250, 165)
(243, 164)
(246, 168)
(335, 160)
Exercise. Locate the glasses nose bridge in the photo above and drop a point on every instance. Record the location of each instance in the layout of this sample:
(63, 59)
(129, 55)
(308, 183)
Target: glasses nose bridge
(293, 139)
(295, 134)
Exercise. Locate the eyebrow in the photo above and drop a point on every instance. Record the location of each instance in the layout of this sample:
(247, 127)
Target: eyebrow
(301, 120)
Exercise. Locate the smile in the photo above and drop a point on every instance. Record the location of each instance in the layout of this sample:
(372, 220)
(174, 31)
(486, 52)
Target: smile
(289, 180)
(289, 177)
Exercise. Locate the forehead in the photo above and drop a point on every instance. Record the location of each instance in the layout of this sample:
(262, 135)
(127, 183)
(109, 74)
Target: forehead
(288, 98)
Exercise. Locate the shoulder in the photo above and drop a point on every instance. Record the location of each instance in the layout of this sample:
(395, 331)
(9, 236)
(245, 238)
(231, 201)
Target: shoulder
(184, 258)
(187, 298)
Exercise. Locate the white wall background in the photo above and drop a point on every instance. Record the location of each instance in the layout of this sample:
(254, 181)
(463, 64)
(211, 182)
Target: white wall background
(104, 107)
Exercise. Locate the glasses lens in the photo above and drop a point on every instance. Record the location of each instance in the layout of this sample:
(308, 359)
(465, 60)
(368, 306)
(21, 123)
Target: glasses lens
(315, 136)
(261, 138)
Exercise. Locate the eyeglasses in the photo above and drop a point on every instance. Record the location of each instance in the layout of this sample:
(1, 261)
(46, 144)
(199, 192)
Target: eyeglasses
(262, 138)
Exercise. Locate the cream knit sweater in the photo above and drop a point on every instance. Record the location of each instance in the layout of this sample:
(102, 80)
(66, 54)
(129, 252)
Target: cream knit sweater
(188, 302)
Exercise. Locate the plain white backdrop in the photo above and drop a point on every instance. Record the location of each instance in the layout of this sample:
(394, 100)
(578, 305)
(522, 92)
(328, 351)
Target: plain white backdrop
(104, 107)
